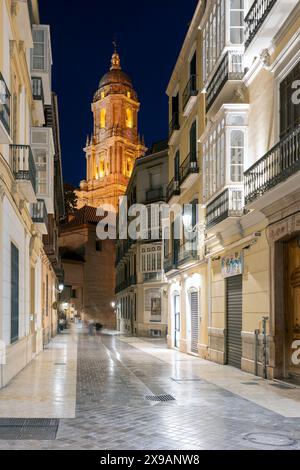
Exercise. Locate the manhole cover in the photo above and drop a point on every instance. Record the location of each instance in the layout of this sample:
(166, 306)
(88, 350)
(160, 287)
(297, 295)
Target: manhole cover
(160, 398)
(275, 440)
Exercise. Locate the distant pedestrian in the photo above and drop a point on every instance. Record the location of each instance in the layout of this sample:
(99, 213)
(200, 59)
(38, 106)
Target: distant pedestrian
(91, 328)
(98, 327)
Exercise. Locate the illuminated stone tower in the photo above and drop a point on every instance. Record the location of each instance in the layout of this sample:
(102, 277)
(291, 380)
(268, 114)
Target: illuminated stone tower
(115, 143)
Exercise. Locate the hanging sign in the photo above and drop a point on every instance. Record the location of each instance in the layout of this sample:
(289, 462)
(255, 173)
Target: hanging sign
(232, 265)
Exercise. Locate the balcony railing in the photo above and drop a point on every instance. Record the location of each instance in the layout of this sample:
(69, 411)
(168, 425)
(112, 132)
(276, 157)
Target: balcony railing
(37, 89)
(156, 194)
(23, 164)
(174, 124)
(173, 189)
(281, 162)
(231, 68)
(190, 90)
(169, 263)
(189, 166)
(188, 252)
(152, 277)
(131, 281)
(230, 203)
(39, 212)
(256, 17)
(4, 104)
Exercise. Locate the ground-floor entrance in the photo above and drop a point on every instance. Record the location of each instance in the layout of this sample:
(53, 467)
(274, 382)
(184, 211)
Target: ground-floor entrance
(292, 310)
(176, 320)
(234, 312)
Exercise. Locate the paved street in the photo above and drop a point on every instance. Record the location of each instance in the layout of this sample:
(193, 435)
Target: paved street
(107, 403)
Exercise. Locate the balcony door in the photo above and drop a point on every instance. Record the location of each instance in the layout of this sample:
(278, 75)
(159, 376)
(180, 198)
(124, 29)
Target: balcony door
(289, 106)
(193, 142)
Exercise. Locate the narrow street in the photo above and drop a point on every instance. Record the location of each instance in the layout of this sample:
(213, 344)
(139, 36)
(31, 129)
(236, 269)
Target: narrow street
(93, 393)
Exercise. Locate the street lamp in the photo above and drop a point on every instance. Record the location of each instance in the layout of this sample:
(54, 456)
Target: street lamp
(61, 288)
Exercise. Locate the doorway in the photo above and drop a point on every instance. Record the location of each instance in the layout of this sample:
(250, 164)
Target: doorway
(292, 311)
(194, 318)
(234, 309)
(176, 320)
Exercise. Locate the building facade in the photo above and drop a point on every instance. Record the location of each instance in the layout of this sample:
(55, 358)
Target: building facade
(141, 288)
(115, 143)
(88, 265)
(27, 156)
(247, 185)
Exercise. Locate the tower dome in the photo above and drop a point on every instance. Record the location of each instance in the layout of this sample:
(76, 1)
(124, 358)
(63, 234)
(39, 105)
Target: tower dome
(116, 74)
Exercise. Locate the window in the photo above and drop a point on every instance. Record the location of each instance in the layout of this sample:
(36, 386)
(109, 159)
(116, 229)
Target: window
(156, 306)
(103, 118)
(74, 294)
(41, 170)
(99, 245)
(237, 156)
(39, 50)
(214, 160)
(14, 293)
(177, 166)
(151, 258)
(129, 118)
(193, 141)
(289, 109)
(236, 21)
(213, 38)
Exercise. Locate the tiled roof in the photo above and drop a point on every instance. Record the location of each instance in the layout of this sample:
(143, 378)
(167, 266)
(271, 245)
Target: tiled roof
(83, 216)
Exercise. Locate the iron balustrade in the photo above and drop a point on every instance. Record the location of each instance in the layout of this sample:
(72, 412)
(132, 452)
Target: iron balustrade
(174, 124)
(256, 17)
(23, 164)
(39, 213)
(173, 189)
(230, 203)
(37, 89)
(169, 263)
(189, 166)
(231, 68)
(281, 162)
(188, 252)
(156, 194)
(150, 277)
(4, 104)
(189, 91)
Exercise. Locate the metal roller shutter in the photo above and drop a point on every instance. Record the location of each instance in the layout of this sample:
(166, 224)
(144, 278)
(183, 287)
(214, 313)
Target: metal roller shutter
(194, 321)
(234, 320)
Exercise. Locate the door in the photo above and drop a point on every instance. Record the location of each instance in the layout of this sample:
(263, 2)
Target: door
(176, 320)
(194, 305)
(292, 311)
(14, 293)
(234, 309)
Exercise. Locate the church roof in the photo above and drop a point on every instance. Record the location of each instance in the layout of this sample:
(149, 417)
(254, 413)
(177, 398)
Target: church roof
(116, 74)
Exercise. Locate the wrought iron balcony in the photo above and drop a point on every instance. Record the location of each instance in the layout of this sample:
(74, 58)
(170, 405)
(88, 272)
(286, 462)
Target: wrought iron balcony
(37, 89)
(169, 263)
(190, 91)
(281, 162)
(39, 215)
(174, 124)
(230, 203)
(256, 17)
(4, 110)
(152, 277)
(173, 189)
(156, 194)
(231, 68)
(24, 169)
(187, 253)
(189, 166)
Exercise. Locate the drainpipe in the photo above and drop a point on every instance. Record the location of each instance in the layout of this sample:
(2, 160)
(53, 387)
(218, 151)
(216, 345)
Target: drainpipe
(264, 332)
(256, 335)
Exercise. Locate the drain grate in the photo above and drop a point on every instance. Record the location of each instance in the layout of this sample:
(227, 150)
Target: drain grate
(160, 398)
(35, 429)
(249, 383)
(270, 439)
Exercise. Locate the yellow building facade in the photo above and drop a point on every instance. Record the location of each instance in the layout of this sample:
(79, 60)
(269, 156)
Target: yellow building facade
(115, 143)
(248, 187)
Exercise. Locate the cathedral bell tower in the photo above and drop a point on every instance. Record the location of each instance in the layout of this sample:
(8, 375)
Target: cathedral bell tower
(115, 143)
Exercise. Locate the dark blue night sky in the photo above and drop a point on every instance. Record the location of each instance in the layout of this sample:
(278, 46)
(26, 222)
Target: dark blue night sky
(149, 35)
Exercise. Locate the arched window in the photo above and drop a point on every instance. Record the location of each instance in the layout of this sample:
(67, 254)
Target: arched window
(103, 118)
(237, 150)
(129, 118)
(129, 167)
(101, 169)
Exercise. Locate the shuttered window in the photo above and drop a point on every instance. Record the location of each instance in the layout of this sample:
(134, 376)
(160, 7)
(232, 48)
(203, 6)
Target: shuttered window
(14, 289)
